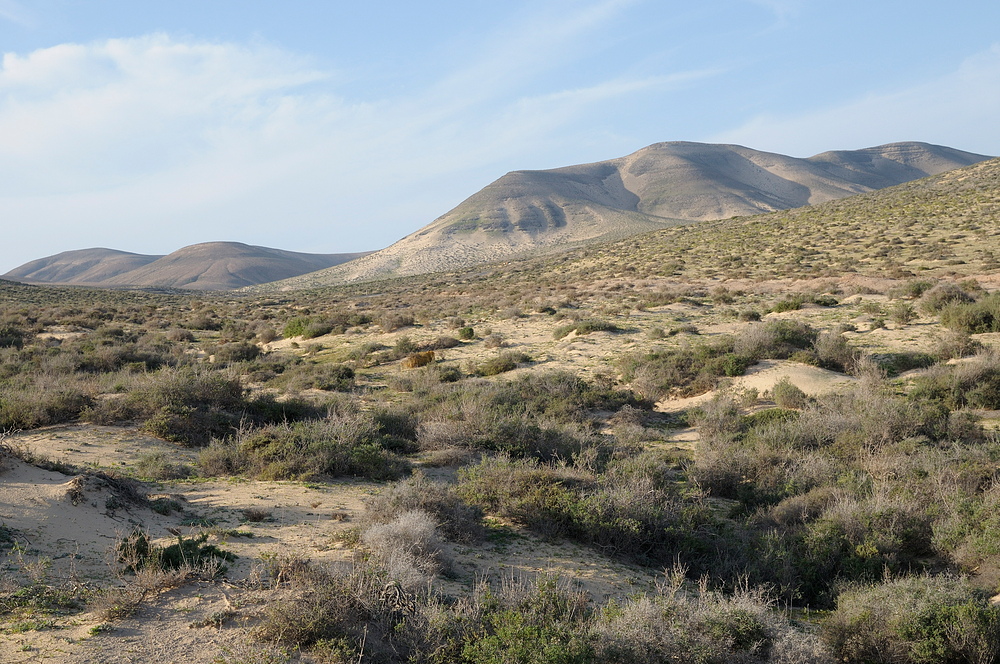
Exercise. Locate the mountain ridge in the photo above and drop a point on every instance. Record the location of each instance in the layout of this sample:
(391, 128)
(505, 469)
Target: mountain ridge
(203, 266)
(661, 185)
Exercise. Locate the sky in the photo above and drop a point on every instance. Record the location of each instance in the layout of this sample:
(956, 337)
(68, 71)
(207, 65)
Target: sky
(329, 126)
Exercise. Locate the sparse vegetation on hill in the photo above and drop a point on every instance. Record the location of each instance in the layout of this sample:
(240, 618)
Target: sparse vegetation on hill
(816, 452)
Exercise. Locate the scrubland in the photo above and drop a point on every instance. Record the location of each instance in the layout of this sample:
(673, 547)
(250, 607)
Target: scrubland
(642, 451)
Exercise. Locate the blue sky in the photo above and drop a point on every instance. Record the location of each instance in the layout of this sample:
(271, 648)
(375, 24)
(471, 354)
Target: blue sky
(342, 126)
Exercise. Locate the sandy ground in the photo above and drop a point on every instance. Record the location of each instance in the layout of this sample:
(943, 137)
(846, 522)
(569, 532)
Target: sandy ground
(66, 528)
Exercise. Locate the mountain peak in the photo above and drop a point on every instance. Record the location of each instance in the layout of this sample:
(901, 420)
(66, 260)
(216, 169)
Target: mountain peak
(663, 184)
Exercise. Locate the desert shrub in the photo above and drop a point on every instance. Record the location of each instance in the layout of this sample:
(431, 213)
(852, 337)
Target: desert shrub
(11, 336)
(787, 395)
(789, 303)
(533, 632)
(833, 352)
(677, 625)
(236, 352)
(631, 515)
(178, 335)
(502, 363)
(973, 384)
(136, 552)
(407, 547)
(943, 295)
(685, 371)
(350, 444)
(394, 321)
(335, 611)
(914, 288)
(902, 313)
(191, 407)
(266, 334)
(364, 353)
(585, 327)
(955, 344)
(317, 329)
(38, 402)
(256, 514)
(326, 377)
(774, 339)
(973, 317)
(295, 327)
(443, 342)
(495, 340)
(466, 333)
(160, 466)
(915, 619)
(458, 520)
(404, 346)
(894, 364)
(545, 415)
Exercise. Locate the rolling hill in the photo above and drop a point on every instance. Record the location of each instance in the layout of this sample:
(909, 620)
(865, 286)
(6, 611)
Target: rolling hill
(206, 266)
(663, 185)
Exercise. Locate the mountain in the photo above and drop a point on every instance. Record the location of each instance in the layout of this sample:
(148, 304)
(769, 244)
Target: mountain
(934, 228)
(207, 266)
(83, 266)
(663, 185)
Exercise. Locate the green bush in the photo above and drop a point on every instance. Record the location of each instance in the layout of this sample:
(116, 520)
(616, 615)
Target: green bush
(636, 516)
(685, 371)
(944, 295)
(136, 552)
(915, 619)
(973, 317)
(351, 445)
(296, 327)
(787, 395)
(326, 377)
(502, 363)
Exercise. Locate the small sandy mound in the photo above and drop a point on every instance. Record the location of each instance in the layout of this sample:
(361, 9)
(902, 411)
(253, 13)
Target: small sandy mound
(764, 375)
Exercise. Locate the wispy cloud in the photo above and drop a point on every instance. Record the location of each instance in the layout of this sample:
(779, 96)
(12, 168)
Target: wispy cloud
(149, 143)
(15, 12)
(783, 10)
(958, 109)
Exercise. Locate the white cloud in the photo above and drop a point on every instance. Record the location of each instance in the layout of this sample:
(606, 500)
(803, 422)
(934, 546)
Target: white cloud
(959, 110)
(150, 143)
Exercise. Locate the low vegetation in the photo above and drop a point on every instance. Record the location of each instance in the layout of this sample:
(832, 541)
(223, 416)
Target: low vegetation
(481, 414)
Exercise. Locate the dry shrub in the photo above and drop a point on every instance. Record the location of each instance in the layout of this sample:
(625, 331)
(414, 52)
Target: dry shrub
(256, 514)
(395, 321)
(704, 626)
(408, 548)
(458, 520)
(161, 466)
(418, 360)
(943, 295)
(342, 611)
